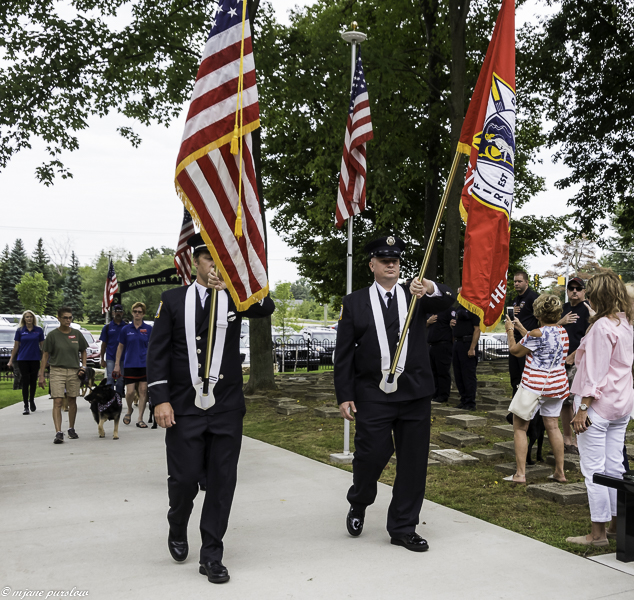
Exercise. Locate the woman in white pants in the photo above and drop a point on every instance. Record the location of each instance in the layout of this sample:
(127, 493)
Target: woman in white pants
(603, 397)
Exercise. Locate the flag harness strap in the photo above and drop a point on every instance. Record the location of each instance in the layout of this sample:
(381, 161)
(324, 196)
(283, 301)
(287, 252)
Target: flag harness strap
(205, 402)
(379, 323)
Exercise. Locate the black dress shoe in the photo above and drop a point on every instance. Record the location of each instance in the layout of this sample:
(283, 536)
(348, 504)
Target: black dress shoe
(354, 521)
(411, 541)
(216, 572)
(178, 550)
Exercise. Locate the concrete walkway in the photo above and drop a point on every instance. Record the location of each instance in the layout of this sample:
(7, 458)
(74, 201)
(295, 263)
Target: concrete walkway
(90, 515)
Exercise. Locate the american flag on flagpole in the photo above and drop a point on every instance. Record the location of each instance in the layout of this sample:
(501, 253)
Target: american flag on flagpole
(112, 287)
(214, 185)
(351, 196)
(183, 256)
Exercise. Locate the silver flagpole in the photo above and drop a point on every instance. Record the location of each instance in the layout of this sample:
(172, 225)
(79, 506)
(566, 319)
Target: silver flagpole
(353, 37)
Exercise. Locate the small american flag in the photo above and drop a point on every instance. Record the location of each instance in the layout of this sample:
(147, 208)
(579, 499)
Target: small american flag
(112, 287)
(208, 174)
(351, 196)
(183, 256)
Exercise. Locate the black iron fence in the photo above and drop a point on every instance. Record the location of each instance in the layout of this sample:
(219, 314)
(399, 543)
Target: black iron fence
(492, 349)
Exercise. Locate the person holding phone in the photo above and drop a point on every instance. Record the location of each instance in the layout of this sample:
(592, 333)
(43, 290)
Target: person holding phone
(603, 398)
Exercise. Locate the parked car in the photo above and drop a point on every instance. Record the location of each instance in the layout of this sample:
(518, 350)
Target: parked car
(7, 335)
(323, 340)
(292, 351)
(493, 346)
(245, 327)
(13, 319)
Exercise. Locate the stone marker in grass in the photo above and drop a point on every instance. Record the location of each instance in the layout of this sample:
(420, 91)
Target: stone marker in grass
(255, 398)
(533, 472)
(290, 409)
(460, 438)
(503, 430)
(488, 454)
(498, 414)
(466, 421)
(283, 400)
(571, 462)
(445, 411)
(327, 412)
(453, 457)
(563, 493)
(319, 397)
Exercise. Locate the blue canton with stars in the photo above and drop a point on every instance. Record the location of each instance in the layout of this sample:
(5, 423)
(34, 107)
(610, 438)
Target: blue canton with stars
(358, 83)
(227, 13)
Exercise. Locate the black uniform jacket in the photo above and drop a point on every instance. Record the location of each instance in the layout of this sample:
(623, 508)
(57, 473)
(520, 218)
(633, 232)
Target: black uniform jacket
(358, 356)
(168, 361)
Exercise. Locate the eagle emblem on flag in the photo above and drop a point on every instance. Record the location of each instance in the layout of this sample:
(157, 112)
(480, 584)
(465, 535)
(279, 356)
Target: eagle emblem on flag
(494, 175)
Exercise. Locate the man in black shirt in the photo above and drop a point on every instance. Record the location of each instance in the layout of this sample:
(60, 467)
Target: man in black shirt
(575, 320)
(523, 309)
(440, 340)
(466, 333)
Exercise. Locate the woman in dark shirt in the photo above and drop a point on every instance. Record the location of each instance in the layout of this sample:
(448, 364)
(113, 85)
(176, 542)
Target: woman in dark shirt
(27, 352)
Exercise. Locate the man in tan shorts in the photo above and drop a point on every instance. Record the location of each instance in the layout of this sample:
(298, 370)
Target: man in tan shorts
(62, 348)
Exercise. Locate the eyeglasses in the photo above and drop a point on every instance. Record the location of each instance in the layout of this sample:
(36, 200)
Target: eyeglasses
(137, 312)
(574, 289)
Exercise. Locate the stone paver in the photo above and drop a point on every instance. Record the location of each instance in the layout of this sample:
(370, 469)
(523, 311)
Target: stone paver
(466, 421)
(571, 461)
(563, 493)
(460, 438)
(255, 398)
(281, 401)
(491, 398)
(532, 471)
(434, 446)
(488, 454)
(445, 411)
(290, 409)
(327, 412)
(503, 430)
(453, 457)
(430, 461)
(498, 414)
(319, 397)
(629, 436)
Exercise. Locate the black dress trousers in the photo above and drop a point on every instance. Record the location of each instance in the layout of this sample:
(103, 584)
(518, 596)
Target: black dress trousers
(464, 370)
(440, 356)
(203, 447)
(375, 421)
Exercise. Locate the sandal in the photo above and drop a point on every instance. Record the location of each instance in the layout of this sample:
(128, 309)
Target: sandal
(582, 540)
(127, 419)
(511, 480)
(141, 424)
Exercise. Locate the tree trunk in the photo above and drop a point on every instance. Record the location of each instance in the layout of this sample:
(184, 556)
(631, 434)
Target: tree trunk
(458, 11)
(261, 370)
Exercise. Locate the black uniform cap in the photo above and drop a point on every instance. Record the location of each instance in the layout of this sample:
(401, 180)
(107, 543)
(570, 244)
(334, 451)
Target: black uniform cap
(197, 243)
(386, 247)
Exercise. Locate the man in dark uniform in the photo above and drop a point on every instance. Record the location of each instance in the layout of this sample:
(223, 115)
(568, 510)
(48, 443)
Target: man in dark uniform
(575, 318)
(523, 310)
(440, 341)
(466, 334)
(369, 329)
(200, 443)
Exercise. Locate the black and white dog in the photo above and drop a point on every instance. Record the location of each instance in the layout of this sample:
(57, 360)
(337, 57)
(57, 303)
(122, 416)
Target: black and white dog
(105, 404)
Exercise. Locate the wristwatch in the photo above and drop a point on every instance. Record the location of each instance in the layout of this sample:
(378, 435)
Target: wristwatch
(583, 407)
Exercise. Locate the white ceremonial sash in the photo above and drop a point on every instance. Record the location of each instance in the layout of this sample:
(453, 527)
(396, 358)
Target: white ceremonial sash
(379, 322)
(191, 298)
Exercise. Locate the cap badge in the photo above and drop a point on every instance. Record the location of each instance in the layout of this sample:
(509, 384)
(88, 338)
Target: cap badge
(390, 241)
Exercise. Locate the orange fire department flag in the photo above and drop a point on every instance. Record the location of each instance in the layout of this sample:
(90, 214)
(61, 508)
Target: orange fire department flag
(488, 137)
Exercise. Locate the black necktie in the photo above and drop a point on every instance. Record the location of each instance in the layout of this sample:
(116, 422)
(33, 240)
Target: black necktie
(389, 298)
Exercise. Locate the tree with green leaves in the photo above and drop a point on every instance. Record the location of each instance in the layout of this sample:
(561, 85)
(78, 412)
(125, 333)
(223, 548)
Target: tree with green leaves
(40, 263)
(16, 267)
(73, 296)
(33, 292)
(4, 283)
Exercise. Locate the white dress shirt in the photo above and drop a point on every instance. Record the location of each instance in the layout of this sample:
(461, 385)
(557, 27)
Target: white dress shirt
(383, 292)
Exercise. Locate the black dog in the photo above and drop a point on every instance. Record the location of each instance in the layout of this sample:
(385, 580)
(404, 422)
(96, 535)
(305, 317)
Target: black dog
(105, 405)
(535, 433)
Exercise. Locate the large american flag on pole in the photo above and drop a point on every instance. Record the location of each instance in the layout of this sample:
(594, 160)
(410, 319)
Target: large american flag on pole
(351, 196)
(217, 188)
(112, 287)
(183, 256)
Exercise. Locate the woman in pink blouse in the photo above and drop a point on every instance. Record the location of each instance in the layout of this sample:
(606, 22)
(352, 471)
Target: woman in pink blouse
(603, 397)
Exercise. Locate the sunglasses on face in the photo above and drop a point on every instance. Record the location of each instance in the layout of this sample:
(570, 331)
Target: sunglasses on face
(574, 289)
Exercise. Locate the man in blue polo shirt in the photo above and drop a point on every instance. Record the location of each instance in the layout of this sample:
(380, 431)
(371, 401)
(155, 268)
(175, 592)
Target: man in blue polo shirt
(109, 343)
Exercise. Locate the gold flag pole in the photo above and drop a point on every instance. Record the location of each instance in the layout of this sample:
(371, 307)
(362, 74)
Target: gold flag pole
(210, 340)
(428, 251)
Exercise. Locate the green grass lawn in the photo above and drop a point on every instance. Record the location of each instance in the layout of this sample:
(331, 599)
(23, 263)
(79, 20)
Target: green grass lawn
(9, 396)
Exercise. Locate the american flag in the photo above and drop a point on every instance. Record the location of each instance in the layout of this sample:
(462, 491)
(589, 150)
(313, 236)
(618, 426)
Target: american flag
(351, 196)
(183, 256)
(207, 174)
(112, 287)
